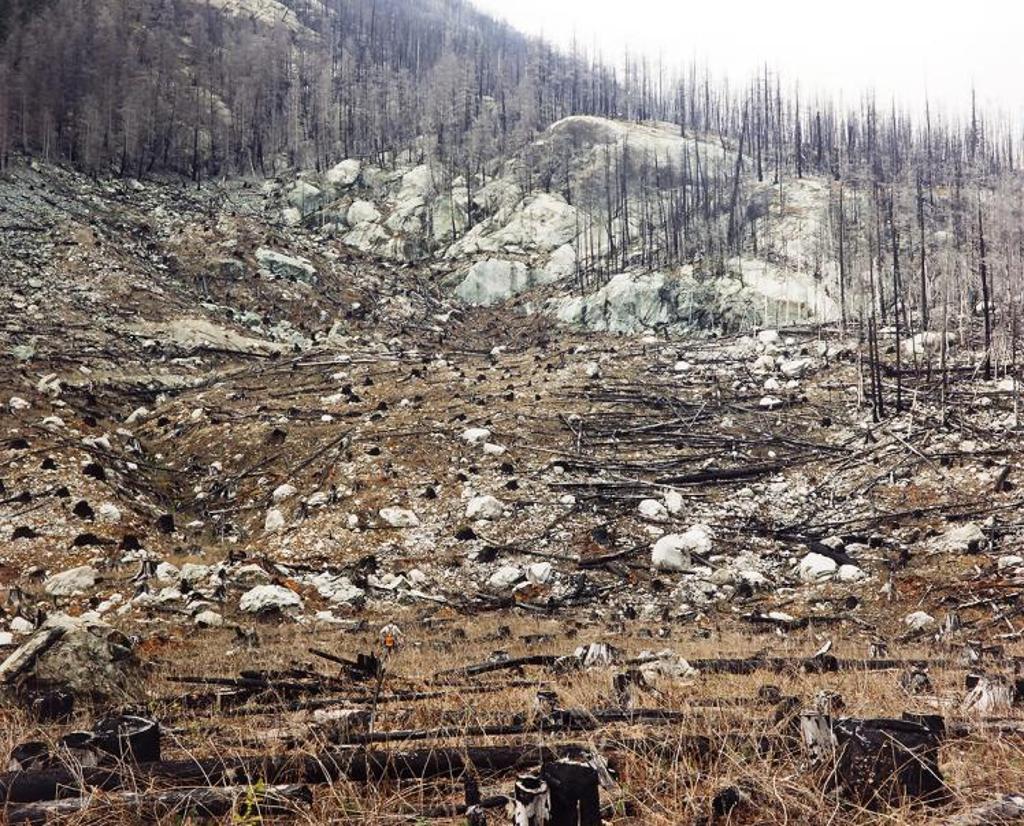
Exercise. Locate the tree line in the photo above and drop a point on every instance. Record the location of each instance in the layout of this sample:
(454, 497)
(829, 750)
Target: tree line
(925, 208)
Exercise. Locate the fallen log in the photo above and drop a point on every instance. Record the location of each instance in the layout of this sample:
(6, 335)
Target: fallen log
(256, 802)
(1000, 812)
(738, 665)
(545, 660)
(357, 765)
(354, 764)
(812, 664)
(560, 721)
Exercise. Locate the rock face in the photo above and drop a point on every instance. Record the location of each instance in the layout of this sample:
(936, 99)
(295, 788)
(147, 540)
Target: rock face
(541, 223)
(88, 657)
(628, 303)
(286, 266)
(362, 212)
(494, 280)
(494, 239)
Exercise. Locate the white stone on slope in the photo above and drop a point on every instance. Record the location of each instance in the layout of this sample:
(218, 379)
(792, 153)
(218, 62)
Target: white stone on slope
(282, 492)
(795, 368)
(653, 509)
(286, 266)
(274, 521)
(109, 513)
(344, 174)
(816, 568)
(850, 574)
(484, 507)
(674, 502)
(305, 197)
(926, 344)
(673, 551)
(71, 582)
(269, 597)
(504, 578)
(918, 621)
(475, 435)
(961, 539)
(539, 573)
(362, 212)
(399, 517)
(209, 619)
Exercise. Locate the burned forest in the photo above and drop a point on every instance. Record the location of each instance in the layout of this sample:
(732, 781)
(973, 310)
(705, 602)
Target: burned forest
(408, 419)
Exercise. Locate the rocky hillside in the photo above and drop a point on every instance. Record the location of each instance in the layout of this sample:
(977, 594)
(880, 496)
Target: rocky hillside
(230, 441)
(502, 238)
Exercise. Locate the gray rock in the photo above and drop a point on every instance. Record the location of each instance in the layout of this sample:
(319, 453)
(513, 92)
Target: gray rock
(86, 656)
(286, 266)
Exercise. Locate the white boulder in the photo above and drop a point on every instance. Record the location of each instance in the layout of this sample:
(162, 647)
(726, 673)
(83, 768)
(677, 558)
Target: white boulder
(274, 521)
(653, 509)
(962, 539)
(362, 212)
(850, 574)
(539, 573)
(282, 492)
(286, 266)
(674, 502)
(264, 598)
(399, 518)
(71, 582)
(209, 619)
(795, 368)
(504, 578)
(475, 435)
(484, 507)
(344, 174)
(816, 568)
(918, 621)
(673, 551)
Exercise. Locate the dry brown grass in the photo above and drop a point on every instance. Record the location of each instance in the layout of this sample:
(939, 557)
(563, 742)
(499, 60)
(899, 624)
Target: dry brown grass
(653, 788)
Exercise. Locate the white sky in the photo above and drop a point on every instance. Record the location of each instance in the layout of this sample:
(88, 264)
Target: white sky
(901, 48)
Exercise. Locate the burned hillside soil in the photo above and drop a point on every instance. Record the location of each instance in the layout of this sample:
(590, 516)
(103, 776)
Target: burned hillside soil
(217, 464)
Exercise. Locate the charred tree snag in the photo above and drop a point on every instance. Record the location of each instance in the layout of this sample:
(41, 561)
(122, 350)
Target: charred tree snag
(881, 763)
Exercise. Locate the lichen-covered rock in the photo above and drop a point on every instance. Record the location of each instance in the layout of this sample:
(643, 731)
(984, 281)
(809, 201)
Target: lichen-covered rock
(85, 656)
(291, 267)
